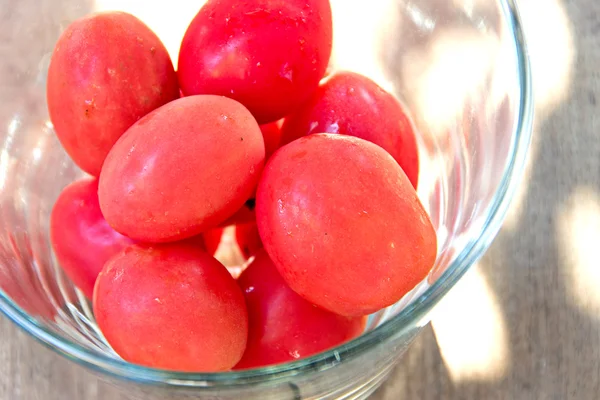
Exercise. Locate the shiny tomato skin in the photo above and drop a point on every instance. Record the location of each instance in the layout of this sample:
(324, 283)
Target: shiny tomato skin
(82, 239)
(182, 169)
(267, 54)
(343, 224)
(106, 72)
(351, 104)
(282, 325)
(171, 306)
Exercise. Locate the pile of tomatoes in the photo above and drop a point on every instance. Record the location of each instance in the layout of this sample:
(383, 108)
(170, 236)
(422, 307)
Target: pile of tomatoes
(316, 172)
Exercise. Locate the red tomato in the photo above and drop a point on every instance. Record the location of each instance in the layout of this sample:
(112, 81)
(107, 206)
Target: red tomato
(351, 104)
(107, 71)
(182, 169)
(171, 307)
(197, 241)
(272, 137)
(282, 325)
(82, 239)
(212, 240)
(247, 238)
(244, 215)
(267, 54)
(343, 224)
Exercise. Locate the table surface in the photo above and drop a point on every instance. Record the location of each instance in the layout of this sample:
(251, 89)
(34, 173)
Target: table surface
(529, 320)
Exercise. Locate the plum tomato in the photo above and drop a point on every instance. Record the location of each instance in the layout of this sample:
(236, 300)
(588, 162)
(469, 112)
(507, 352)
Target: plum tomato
(267, 54)
(272, 137)
(197, 241)
(282, 325)
(248, 239)
(171, 306)
(182, 169)
(82, 239)
(107, 71)
(343, 224)
(245, 214)
(352, 104)
(212, 240)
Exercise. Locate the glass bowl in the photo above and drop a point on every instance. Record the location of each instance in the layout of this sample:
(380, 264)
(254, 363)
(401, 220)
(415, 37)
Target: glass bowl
(460, 67)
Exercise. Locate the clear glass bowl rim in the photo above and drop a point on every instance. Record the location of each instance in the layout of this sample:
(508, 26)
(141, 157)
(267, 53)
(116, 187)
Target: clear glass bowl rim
(407, 318)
